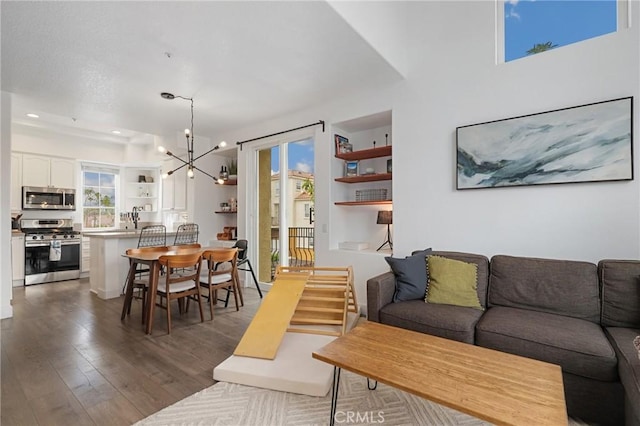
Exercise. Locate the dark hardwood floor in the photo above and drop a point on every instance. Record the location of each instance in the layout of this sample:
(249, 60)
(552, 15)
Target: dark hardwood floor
(67, 359)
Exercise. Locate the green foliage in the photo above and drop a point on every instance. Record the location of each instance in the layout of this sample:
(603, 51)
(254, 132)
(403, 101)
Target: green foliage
(309, 188)
(93, 197)
(541, 47)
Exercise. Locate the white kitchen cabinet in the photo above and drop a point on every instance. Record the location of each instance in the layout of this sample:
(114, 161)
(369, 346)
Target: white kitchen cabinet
(86, 256)
(174, 188)
(16, 182)
(38, 170)
(62, 173)
(17, 260)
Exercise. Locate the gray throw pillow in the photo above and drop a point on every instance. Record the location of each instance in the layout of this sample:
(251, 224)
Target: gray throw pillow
(411, 275)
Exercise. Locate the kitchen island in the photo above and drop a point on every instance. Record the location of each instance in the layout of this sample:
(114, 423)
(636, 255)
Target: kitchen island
(108, 267)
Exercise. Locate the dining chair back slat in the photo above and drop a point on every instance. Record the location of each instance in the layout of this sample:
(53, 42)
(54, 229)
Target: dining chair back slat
(187, 233)
(216, 278)
(153, 235)
(191, 262)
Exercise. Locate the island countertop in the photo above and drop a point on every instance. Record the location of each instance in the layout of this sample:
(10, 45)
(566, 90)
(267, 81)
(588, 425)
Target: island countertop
(108, 267)
(120, 233)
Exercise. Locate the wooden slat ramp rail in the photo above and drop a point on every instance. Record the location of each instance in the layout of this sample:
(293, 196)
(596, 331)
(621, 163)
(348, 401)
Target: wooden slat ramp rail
(327, 298)
(264, 335)
(312, 300)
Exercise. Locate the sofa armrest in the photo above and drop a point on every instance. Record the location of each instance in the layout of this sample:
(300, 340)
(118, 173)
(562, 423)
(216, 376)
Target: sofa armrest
(380, 291)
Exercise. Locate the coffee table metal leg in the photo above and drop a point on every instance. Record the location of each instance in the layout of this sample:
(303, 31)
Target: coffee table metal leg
(334, 394)
(369, 384)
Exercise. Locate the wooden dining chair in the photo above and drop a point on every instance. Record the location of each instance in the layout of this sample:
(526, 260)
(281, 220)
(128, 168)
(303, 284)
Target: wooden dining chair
(216, 278)
(141, 283)
(180, 247)
(180, 286)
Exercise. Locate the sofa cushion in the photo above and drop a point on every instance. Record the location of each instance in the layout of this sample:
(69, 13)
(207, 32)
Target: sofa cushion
(580, 347)
(411, 276)
(628, 363)
(452, 282)
(620, 281)
(482, 273)
(451, 322)
(563, 287)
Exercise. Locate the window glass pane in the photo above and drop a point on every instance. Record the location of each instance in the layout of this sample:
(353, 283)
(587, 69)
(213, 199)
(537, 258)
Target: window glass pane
(536, 26)
(99, 199)
(108, 197)
(91, 196)
(91, 179)
(107, 179)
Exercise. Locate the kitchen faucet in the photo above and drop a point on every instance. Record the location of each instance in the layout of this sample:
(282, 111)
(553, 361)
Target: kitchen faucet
(134, 217)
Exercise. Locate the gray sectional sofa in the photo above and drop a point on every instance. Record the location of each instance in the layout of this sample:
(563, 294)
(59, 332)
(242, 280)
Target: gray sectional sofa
(578, 315)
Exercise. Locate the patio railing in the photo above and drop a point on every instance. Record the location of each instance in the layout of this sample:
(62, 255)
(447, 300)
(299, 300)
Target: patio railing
(301, 243)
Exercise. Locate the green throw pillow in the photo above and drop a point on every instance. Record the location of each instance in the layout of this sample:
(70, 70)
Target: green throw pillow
(452, 282)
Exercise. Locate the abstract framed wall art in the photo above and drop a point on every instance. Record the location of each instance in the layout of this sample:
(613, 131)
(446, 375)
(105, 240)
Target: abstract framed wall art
(586, 143)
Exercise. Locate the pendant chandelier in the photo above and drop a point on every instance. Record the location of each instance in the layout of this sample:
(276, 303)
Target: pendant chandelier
(189, 136)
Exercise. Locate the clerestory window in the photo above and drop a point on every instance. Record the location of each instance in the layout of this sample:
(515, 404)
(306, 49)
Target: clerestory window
(531, 27)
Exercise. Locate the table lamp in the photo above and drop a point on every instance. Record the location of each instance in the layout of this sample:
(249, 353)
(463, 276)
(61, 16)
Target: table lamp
(385, 217)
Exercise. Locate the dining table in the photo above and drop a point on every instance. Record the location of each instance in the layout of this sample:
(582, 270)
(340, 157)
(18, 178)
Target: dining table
(151, 259)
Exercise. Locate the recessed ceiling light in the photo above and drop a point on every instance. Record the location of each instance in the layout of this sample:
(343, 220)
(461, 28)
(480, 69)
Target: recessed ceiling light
(116, 132)
(32, 115)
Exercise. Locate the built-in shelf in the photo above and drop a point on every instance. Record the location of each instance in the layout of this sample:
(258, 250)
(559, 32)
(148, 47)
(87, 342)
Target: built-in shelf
(363, 154)
(363, 203)
(148, 198)
(229, 182)
(364, 178)
(226, 212)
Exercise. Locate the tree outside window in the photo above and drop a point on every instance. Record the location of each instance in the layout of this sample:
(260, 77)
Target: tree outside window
(532, 27)
(99, 199)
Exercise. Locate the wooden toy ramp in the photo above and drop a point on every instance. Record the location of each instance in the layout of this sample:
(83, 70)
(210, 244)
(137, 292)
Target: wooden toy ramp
(327, 298)
(263, 336)
(311, 300)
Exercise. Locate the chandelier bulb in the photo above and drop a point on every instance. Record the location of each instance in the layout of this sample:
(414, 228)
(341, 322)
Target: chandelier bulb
(165, 175)
(222, 144)
(190, 173)
(186, 132)
(162, 149)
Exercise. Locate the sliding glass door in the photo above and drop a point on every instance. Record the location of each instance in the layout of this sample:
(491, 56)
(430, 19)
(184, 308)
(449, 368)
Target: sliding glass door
(285, 204)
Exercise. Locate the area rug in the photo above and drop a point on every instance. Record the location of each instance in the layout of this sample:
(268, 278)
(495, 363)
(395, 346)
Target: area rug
(232, 404)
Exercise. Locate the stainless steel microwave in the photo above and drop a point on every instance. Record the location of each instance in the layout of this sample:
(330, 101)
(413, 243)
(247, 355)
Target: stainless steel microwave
(48, 198)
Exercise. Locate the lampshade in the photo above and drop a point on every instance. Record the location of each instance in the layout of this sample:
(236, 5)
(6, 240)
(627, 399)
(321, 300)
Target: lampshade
(385, 217)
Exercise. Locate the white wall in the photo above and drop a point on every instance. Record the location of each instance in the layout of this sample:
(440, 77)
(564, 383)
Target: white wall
(453, 80)
(50, 142)
(326, 215)
(382, 24)
(6, 290)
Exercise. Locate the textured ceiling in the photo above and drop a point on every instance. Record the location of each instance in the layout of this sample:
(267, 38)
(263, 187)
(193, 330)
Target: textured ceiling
(105, 63)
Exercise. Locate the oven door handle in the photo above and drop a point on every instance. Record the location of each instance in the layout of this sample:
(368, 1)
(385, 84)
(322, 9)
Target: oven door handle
(36, 245)
(62, 243)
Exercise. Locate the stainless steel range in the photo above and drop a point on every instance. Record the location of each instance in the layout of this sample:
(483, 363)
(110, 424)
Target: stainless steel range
(52, 250)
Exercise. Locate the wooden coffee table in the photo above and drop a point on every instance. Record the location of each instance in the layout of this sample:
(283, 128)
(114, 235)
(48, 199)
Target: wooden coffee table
(494, 386)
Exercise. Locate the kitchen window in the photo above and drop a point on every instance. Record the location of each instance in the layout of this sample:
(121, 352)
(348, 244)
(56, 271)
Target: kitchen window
(99, 197)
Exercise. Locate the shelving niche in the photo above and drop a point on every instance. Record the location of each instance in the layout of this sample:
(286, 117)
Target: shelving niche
(356, 220)
(224, 192)
(144, 195)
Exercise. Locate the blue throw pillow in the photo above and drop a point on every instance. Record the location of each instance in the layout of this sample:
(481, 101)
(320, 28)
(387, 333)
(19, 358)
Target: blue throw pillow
(411, 275)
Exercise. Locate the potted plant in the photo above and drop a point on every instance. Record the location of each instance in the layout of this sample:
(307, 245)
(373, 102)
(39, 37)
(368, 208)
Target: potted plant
(232, 168)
